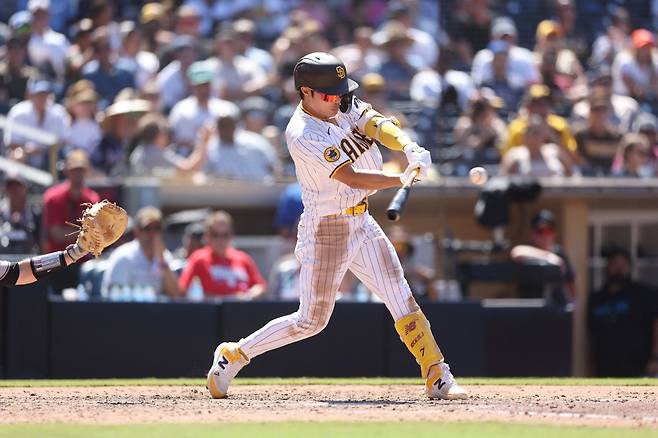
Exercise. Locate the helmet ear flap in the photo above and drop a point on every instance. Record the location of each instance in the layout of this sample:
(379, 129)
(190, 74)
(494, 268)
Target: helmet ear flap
(346, 102)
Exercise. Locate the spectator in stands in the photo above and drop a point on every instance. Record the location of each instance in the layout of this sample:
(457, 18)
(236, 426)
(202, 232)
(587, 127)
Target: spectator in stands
(423, 52)
(634, 152)
(142, 64)
(616, 39)
(47, 49)
(646, 125)
(144, 261)
(623, 314)
(560, 67)
(236, 153)
(509, 85)
(255, 112)
(119, 124)
(155, 156)
(20, 25)
(635, 71)
(520, 66)
(14, 73)
(191, 241)
(188, 21)
(538, 156)
(101, 14)
(63, 203)
(20, 221)
(597, 138)
(244, 30)
(80, 51)
(237, 76)
(85, 132)
(37, 111)
(104, 72)
(359, 56)
(622, 110)
(288, 210)
(172, 80)
(574, 37)
(538, 102)
(469, 28)
(396, 69)
(152, 18)
(190, 114)
(543, 249)
(151, 93)
(222, 269)
(442, 87)
(480, 131)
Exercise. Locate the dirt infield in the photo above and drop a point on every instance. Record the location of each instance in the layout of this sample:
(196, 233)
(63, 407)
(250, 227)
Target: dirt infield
(629, 406)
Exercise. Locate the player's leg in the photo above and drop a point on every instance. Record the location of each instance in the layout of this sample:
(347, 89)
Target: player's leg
(377, 265)
(324, 259)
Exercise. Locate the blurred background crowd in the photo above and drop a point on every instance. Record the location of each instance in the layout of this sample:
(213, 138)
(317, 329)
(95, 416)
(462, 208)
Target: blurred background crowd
(102, 90)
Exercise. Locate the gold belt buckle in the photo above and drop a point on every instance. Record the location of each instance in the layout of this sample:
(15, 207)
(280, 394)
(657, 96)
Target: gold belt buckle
(358, 209)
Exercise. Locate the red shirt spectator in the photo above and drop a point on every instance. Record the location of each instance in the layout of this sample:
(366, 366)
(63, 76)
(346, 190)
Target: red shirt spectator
(233, 273)
(222, 269)
(61, 203)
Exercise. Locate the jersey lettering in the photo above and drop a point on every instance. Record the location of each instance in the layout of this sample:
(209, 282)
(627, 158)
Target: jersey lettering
(355, 144)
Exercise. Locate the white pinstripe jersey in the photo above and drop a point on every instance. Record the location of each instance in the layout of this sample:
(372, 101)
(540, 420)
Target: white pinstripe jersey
(319, 148)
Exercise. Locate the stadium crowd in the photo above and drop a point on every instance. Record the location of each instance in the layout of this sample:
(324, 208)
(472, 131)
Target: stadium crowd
(539, 87)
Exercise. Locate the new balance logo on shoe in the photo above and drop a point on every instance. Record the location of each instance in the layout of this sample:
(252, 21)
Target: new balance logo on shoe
(440, 384)
(222, 362)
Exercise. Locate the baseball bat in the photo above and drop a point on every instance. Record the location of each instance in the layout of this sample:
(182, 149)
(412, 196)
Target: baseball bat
(396, 206)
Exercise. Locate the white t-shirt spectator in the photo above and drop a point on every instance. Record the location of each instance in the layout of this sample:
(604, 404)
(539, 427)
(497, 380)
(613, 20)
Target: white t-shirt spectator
(626, 65)
(128, 266)
(56, 121)
(172, 85)
(187, 117)
(84, 134)
(143, 67)
(521, 67)
(427, 87)
(250, 157)
(240, 74)
(49, 48)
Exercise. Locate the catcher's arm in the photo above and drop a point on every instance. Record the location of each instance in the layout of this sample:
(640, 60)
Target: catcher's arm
(33, 269)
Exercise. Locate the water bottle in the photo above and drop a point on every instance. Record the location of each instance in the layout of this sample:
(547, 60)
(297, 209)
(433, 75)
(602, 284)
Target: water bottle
(195, 291)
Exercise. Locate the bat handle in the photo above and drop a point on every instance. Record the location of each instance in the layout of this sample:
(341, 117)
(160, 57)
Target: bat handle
(411, 178)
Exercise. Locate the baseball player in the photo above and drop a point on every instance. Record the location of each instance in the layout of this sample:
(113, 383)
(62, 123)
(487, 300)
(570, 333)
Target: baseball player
(331, 140)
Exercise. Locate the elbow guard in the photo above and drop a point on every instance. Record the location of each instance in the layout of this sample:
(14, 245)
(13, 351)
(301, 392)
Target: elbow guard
(11, 273)
(386, 130)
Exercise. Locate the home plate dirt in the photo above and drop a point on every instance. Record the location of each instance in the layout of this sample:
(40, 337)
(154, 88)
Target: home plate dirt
(628, 406)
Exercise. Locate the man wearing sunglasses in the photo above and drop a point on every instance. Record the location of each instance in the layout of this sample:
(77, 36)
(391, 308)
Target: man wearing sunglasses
(143, 261)
(222, 269)
(331, 138)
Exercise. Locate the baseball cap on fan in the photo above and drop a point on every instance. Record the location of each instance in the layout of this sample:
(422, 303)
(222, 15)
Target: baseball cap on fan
(503, 26)
(544, 219)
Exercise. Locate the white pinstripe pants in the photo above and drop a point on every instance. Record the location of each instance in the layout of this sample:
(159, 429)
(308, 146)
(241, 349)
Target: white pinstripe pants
(326, 248)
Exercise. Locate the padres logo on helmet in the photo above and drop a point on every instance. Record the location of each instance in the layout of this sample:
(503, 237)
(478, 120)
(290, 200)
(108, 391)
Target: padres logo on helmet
(340, 71)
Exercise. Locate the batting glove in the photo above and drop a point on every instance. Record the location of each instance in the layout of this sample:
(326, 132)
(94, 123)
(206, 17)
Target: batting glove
(418, 157)
(410, 168)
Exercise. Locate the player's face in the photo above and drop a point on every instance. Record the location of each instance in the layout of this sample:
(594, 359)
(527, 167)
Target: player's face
(320, 104)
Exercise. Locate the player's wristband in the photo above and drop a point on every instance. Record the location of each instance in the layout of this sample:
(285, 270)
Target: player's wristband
(75, 252)
(47, 264)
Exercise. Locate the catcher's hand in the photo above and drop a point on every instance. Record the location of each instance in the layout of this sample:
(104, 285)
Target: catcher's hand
(101, 225)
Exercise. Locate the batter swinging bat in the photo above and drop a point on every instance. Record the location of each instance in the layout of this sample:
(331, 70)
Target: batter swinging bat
(396, 206)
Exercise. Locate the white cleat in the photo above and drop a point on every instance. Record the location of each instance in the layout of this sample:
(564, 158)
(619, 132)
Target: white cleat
(227, 361)
(440, 384)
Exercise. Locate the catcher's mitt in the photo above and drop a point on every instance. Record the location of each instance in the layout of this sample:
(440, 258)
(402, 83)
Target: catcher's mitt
(101, 225)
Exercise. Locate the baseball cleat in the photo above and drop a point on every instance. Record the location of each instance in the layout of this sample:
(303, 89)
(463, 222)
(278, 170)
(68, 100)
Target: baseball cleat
(227, 361)
(440, 384)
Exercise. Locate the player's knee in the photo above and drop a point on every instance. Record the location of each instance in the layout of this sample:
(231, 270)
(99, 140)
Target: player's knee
(311, 326)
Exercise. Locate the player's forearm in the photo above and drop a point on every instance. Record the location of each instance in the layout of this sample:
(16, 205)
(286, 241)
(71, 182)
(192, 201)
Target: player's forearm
(32, 269)
(367, 179)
